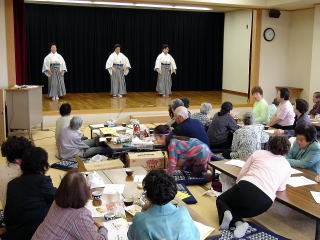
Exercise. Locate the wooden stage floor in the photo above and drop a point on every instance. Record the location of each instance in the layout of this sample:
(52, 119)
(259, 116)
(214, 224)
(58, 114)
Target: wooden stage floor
(137, 101)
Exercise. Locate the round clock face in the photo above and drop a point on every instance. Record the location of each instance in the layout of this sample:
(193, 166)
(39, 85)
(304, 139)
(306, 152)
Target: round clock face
(269, 34)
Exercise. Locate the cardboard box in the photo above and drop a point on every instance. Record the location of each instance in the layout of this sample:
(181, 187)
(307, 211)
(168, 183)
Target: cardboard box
(94, 166)
(147, 160)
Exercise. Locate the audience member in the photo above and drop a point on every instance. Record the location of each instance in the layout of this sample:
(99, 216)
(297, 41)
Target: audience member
(221, 129)
(194, 153)
(302, 118)
(12, 149)
(284, 117)
(160, 219)
(316, 107)
(172, 121)
(176, 103)
(186, 102)
(305, 152)
(68, 218)
(263, 174)
(189, 127)
(273, 108)
(260, 106)
(71, 144)
(248, 139)
(203, 115)
(29, 196)
(63, 121)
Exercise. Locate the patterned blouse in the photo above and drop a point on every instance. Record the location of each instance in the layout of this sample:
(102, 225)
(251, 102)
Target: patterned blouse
(195, 153)
(247, 140)
(203, 118)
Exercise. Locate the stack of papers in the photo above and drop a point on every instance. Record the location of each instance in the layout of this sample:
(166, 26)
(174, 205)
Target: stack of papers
(204, 230)
(316, 196)
(117, 229)
(300, 181)
(94, 180)
(113, 188)
(237, 163)
(295, 171)
(182, 195)
(96, 126)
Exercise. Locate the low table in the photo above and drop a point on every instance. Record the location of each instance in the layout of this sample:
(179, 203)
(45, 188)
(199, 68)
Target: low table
(297, 198)
(118, 176)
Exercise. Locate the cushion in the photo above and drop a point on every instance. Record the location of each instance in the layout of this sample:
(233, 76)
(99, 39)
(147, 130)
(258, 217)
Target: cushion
(183, 188)
(187, 178)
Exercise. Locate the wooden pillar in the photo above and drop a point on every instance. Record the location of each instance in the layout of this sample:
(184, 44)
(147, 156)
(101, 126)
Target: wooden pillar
(11, 59)
(255, 51)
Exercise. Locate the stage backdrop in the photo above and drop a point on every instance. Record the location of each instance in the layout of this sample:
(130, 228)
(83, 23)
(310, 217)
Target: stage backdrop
(85, 37)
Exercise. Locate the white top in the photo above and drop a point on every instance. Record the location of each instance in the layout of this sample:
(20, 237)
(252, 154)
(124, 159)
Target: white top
(165, 59)
(120, 58)
(7, 173)
(53, 58)
(61, 123)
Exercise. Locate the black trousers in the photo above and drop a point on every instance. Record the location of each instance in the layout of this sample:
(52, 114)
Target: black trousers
(243, 200)
(277, 126)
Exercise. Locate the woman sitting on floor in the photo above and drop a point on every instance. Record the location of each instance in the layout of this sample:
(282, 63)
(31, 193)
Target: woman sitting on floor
(70, 142)
(302, 118)
(203, 115)
(194, 153)
(221, 129)
(305, 152)
(29, 196)
(68, 218)
(248, 139)
(264, 173)
(160, 219)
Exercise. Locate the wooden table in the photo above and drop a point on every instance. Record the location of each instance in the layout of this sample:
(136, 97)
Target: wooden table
(315, 122)
(118, 176)
(297, 198)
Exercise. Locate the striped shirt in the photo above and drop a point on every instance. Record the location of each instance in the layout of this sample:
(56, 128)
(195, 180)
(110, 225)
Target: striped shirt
(69, 224)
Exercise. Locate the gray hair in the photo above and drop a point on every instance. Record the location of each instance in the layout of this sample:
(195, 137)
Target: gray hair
(205, 108)
(248, 118)
(76, 123)
(181, 112)
(176, 103)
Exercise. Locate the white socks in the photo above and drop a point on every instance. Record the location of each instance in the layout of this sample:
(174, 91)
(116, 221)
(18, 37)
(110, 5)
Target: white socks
(241, 229)
(227, 218)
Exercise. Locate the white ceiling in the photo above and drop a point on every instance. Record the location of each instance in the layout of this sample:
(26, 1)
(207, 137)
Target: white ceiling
(217, 5)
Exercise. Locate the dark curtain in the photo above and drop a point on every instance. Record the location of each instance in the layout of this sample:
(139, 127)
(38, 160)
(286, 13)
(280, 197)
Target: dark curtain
(20, 42)
(85, 37)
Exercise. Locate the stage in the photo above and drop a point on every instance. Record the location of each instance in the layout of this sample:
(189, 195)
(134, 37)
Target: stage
(102, 102)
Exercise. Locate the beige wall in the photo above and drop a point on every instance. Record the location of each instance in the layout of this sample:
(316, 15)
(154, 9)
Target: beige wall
(274, 54)
(288, 59)
(300, 49)
(314, 84)
(236, 50)
(3, 48)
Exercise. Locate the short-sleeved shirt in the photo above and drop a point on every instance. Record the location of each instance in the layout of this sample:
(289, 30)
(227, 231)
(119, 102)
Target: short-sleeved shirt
(285, 113)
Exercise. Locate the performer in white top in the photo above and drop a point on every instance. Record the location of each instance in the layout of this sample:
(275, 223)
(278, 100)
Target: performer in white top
(54, 68)
(165, 66)
(118, 66)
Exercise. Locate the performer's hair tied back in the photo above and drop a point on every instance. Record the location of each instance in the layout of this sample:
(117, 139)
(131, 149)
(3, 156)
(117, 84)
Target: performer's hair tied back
(116, 46)
(164, 46)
